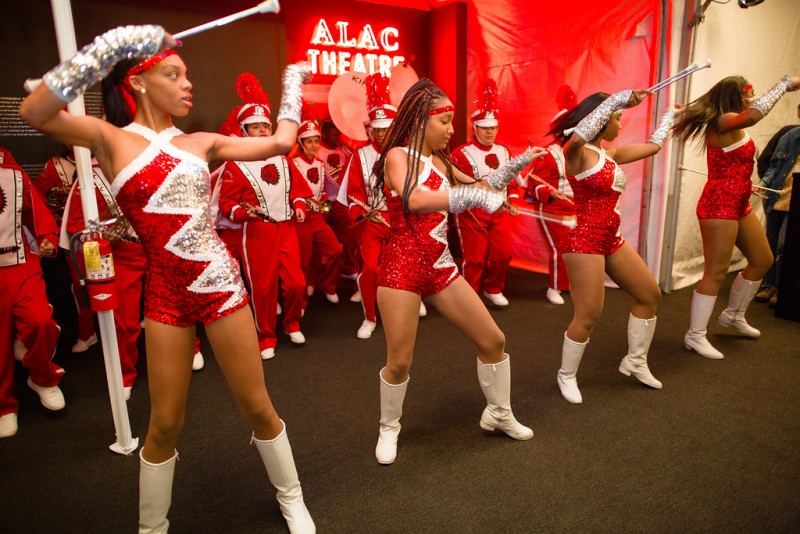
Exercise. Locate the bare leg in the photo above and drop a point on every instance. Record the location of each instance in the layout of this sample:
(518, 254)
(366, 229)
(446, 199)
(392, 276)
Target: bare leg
(752, 241)
(630, 272)
(170, 350)
(400, 316)
(719, 236)
(235, 343)
(586, 274)
(460, 305)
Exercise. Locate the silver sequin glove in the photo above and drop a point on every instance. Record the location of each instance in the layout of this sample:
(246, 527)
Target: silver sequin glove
(464, 198)
(593, 123)
(499, 179)
(765, 102)
(74, 76)
(661, 133)
(294, 76)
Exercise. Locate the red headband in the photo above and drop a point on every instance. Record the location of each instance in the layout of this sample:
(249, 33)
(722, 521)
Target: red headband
(147, 64)
(747, 87)
(443, 109)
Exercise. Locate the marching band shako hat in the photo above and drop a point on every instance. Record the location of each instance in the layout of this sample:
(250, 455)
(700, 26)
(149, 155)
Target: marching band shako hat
(566, 99)
(308, 126)
(381, 112)
(486, 114)
(255, 106)
(252, 113)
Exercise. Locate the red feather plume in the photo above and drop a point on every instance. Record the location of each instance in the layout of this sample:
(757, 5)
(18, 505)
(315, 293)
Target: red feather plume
(377, 91)
(249, 89)
(488, 96)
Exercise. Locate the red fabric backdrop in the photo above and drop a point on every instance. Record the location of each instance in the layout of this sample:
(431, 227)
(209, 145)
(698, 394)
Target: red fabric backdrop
(532, 48)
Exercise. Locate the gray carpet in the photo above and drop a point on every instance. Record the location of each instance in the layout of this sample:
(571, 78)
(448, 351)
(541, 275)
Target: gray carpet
(715, 451)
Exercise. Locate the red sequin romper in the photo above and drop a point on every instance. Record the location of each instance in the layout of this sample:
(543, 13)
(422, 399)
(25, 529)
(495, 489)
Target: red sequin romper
(417, 258)
(727, 191)
(165, 193)
(597, 191)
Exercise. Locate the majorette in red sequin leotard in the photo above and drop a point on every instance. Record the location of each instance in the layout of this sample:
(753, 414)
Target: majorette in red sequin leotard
(417, 258)
(597, 193)
(727, 191)
(165, 193)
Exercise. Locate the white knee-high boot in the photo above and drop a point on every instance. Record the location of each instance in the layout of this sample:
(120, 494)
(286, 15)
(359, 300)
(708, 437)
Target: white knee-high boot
(155, 494)
(392, 397)
(640, 335)
(695, 339)
(571, 354)
(495, 380)
(742, 293)
(277, 457)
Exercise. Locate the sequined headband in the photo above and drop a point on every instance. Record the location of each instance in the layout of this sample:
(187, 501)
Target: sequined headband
(747, 87)
(147, 64)
(443, 109)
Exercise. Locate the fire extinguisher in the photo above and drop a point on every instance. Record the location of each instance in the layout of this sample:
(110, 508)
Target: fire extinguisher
(100, 278)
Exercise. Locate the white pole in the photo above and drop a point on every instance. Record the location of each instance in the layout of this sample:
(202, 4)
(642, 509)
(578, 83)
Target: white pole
(67, 47)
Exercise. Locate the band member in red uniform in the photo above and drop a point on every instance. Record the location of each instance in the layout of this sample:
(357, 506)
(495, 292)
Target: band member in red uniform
(316, 238)
(421, 187)
(366, 201)
(485, 237)
(336, 155)
(550, 189)
(596, 246)
(27, 231)
(720, 116)
(161, 182)
(55, 183)
(262, 197)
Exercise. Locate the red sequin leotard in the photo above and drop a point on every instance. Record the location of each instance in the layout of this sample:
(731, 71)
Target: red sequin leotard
(597, 191)
(727, 191)
(417, 258)
(165, 194)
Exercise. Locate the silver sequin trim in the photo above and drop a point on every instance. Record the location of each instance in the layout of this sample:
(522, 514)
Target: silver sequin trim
(294, 76)
(593, 123)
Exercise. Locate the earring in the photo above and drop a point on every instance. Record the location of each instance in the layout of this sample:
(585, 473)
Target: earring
(142, 90)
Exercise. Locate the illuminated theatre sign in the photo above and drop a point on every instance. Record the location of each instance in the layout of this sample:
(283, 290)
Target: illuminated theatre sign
(370, 52)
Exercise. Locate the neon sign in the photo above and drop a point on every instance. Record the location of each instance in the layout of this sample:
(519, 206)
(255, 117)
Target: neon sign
(368, 53)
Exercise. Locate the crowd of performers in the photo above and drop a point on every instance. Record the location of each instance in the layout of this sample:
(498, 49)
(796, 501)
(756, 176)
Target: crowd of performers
(293, 210)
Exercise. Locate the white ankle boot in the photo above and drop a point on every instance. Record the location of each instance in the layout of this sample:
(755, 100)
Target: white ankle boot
(495, 380)
(392, 397)
(571, 355)
(277, 457)
(695, 339)
(742, 293)
(155, 494)
(640, 335)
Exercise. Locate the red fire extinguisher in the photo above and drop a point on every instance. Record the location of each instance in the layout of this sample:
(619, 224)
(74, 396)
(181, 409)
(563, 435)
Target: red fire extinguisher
(100, 278)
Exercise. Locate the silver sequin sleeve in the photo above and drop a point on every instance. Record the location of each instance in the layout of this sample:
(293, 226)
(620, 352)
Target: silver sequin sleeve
(765, 102)
(75, 75)
(464, 198)
(593, 123)
(660, 135)
(499, 179)
(294, 76)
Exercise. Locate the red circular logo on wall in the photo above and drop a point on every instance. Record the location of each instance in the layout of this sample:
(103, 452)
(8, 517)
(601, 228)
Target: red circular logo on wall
(491, 161)
(269, 173)
(313, 175)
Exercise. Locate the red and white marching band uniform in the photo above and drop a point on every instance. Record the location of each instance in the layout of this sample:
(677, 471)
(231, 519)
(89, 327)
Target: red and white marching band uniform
(25, 313)
(129, 266)
(55, 183)
(485, 237)
(371, 236)
(552, 170)
(314, 234)
(339, 218)
(269, 248)
(62, 167)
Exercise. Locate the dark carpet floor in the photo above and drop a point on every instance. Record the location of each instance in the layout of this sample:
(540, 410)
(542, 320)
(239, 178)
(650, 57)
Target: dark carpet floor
(717, 450)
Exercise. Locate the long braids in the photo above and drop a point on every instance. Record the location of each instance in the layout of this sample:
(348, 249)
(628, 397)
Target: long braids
(704, 112)
(408, 129)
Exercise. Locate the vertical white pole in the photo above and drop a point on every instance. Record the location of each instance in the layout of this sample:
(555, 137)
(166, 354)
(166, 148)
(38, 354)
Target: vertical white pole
(67, 47)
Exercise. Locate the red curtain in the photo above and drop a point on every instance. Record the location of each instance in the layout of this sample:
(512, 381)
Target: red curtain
(531, 48)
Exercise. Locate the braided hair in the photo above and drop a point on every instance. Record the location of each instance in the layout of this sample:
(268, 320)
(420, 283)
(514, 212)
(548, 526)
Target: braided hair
(704, 112)
(408, 129)
(576, 115)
